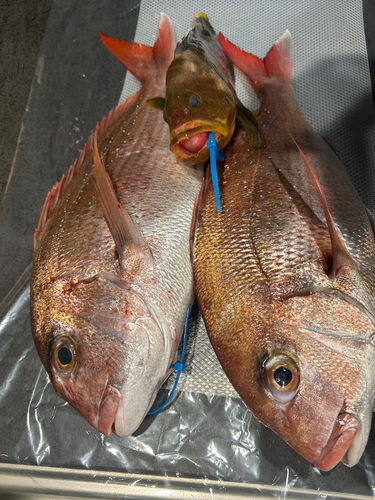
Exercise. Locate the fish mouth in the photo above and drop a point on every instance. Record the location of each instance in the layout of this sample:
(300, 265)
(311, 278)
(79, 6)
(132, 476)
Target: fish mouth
(343, 444)
(189, 142)
(108, 410)
(125, 427)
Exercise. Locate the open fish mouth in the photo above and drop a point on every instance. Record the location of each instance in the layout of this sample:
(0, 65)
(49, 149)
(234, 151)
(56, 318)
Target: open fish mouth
(344, 443)
(189, 142)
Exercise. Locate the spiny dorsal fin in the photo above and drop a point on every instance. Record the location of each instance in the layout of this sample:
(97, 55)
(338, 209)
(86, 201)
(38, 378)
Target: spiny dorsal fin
(59, 189)
(340, 254)
(125, 232)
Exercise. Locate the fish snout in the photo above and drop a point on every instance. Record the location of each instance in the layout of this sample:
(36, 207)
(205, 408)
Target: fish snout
(108, 411)
(342, 439)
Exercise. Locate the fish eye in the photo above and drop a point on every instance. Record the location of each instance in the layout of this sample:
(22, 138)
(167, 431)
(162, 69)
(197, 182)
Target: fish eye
(192, 99)
(64, 355)
(281, 376)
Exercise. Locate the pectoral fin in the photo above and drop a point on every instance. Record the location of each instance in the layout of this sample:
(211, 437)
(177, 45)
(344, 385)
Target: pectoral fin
(157, 103)
(126, 233)
(341, 256)
(251, 125)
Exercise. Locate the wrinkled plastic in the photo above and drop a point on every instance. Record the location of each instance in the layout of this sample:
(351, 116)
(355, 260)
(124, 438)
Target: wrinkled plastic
(206, 431)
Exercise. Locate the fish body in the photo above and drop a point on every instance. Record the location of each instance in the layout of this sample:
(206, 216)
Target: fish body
(112, 277)
(200, 96)
(285, 275)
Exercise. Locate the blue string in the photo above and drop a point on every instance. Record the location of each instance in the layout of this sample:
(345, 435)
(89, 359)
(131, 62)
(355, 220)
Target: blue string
(215, 155)
(179, 366)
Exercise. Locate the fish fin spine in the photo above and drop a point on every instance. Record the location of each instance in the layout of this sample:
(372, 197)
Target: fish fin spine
(140, 59)
(60, 187)
(341, 256)
(277, 63)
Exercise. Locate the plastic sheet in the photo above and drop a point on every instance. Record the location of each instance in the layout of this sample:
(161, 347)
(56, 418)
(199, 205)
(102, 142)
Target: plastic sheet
(206, 432)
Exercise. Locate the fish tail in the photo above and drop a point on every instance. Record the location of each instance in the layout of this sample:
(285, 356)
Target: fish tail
(141, 60)
(277, 63)
(202, 19)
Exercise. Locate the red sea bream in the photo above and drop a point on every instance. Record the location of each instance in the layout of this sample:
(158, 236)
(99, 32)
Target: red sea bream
(112, 277)
(285, 275)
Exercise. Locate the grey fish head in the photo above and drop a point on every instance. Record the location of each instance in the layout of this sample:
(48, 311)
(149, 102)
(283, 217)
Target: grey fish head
(106, 349)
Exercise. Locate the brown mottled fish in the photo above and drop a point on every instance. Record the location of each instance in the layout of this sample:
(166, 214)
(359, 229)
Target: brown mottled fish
(285, 275)
(112, 277)
(200, 97)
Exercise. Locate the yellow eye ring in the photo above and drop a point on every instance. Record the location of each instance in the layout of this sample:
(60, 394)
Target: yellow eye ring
(281, 376)
(64, 355)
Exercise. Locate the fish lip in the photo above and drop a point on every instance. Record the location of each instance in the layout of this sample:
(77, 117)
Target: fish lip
(107, 412)
(188, 129)
(122, 428)
(342, 438)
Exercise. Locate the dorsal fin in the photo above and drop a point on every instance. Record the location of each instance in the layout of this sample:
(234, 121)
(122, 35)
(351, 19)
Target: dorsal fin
(59, 189)
(340, 254)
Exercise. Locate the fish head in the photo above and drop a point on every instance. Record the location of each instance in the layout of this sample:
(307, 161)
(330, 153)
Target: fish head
(106, 350)
(198, 101)
(304, 368)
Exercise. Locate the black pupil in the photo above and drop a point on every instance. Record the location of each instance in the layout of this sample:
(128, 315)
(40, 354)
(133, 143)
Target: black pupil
(194, 100)
(65, 356)
(283, 376)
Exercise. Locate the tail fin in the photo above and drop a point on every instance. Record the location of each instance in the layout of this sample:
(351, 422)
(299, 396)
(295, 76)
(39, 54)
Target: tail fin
(202, 19)
(277, 63)
(142, 59)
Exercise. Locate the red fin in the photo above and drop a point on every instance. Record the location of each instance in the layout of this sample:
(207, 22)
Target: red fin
(142, 59)
(122, 227)
(60, 187)
(277, 63)
(340, 254)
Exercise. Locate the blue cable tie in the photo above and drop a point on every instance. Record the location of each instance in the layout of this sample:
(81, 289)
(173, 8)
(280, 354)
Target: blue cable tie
(179, 366)
(215, 155)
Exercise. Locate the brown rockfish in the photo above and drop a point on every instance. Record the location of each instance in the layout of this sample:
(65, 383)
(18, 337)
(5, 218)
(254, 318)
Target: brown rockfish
(112, 276)
(285, 275)
(200, 97)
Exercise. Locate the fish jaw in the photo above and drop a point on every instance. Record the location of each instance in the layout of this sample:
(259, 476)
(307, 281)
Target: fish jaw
(108, 411)
(184, 146)
(127, 422)
(144, 379)
(342, 445)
